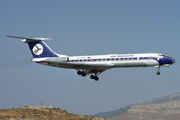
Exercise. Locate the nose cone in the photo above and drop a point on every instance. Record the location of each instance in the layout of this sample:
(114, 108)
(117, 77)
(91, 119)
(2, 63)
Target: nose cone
(174, 60)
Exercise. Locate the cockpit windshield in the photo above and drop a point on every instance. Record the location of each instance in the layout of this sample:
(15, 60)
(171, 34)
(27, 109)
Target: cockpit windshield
(163, 55)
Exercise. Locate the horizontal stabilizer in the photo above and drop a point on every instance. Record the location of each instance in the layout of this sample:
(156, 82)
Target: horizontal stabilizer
(26, 40)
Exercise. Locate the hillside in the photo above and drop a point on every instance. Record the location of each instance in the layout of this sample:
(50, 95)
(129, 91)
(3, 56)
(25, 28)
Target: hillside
(36, 113)
(166, 108)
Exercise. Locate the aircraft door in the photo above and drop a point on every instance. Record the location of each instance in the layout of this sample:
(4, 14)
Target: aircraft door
(150, 59)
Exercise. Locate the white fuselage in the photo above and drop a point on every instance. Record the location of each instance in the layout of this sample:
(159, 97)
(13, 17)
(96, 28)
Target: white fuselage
(118, 60)
(110, 60)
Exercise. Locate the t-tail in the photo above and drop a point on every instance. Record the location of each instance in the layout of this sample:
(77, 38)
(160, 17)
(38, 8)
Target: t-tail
(38, 48)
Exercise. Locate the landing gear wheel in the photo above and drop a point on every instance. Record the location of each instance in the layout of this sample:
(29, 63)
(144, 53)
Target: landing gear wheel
(94, 77)
(83, 74)
(79, 72)
(157, 73)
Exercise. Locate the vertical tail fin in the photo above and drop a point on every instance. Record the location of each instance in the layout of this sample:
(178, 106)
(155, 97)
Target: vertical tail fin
(40, 49)
(37, 47)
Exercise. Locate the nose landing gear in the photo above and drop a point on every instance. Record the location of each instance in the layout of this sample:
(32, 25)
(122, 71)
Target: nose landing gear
(158, 73)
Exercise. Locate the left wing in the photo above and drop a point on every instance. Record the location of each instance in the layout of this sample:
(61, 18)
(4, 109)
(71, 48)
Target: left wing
(83, 68)
(88, 68)
(93, 69)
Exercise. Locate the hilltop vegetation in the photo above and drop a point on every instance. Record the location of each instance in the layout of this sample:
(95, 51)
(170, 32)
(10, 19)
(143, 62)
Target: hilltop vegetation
(38, 113)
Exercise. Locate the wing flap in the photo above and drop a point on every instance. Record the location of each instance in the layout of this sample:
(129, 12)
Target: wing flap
(94, 68)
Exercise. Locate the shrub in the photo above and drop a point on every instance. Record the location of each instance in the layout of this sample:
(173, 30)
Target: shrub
(23, 116)
(26, 106)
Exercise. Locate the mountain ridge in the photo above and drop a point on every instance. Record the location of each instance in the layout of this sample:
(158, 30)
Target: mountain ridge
(172, 97)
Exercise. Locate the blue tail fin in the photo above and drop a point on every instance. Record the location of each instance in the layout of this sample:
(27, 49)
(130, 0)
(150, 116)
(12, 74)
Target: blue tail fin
(38, 47)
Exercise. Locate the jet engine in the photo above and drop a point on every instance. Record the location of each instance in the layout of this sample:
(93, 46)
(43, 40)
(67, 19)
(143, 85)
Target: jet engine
(58, 59)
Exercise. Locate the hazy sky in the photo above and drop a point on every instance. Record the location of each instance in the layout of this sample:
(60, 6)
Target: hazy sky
(81, 27)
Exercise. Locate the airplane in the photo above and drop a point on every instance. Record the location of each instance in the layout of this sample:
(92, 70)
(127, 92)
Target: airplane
(93, 65)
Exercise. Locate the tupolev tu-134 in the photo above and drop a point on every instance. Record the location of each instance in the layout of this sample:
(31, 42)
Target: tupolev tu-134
(93, 65)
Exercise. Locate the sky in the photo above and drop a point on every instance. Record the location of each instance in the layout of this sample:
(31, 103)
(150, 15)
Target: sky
(81, 27)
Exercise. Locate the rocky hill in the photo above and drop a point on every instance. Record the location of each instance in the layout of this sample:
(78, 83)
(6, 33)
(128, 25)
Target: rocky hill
(163, 108)
(41, 113)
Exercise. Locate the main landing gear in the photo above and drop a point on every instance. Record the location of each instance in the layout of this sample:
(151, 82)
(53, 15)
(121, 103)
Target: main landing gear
(81, 73)
(158, 73)
(92, 76)
(95, 76)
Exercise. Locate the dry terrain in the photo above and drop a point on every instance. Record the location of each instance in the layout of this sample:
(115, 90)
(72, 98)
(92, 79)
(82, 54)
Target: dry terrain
(169, 110)
(161, 108)
(41, 113)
